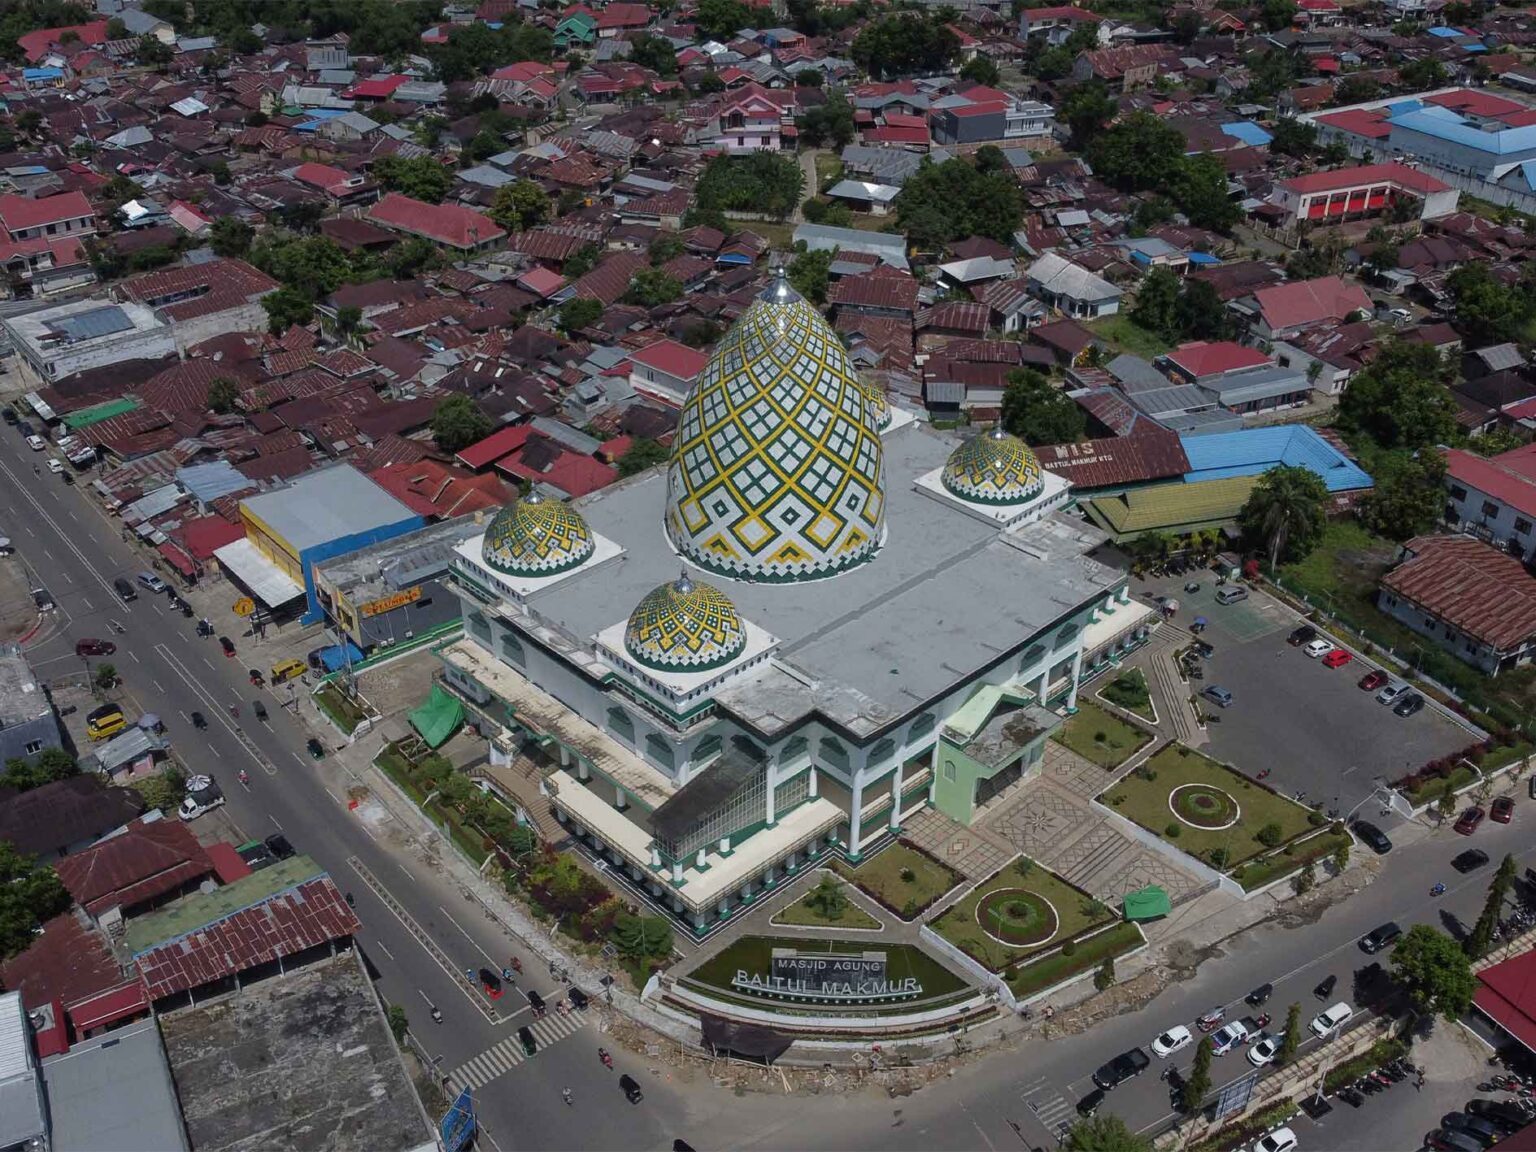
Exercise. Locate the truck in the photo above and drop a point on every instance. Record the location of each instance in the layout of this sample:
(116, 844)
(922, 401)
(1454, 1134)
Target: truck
(203, 795)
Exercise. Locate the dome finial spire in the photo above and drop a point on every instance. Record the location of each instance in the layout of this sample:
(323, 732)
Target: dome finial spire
(780, 291)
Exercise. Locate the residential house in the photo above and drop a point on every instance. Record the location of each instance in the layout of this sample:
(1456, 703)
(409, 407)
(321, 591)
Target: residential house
(752, 119)
(1361, 192)
(65, 816)
(1125, 68)
(1056, 24)
(665, 371)
(449, 224)
(1281, 311)
(1073, 290)
(148, 863)
(981, 114)
(66, 214)
(1494, 497)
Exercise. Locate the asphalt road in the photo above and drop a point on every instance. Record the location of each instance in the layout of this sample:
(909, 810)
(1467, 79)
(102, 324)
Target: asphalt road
(170, 671)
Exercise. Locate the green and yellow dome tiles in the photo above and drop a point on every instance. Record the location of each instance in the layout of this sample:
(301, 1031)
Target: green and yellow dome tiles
(994, 468)
(685, 627)
(776, 471)
(536, 537)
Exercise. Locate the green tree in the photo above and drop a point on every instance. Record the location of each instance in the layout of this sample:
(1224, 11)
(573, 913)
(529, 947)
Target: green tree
(828, 123)
(981, 70)
(582, 261)
(1286, 513)
(1278, 14)
(222, 395)
(412, 256)
(1198, 1083)
(906, 43)
(1480, 939)
(349, 317)
(164, 790)
(30, 894)
(475, 49)
(116, 29)
(1104, 977)
(1105, 1133)
(1487, 311)
(285, 308)
(1291, 1040)
(1053, 64)
(1198, 185)
(808, 274)
(1356, 90)
(1400, 400)
(420, 177)
(1292, 137)
(720, 19)
(651, 287)
(1138, 153)
(1445, 803)
(810, 78)
(230, 236)
(57, 763)
(1039, 412)
(151, 53)
(655, 53)
(105, 677)
(941, 203)
(520, 205)
(1408, 497)
(1419, 75)
(1340, 857)
(578, 312)
(1157, 303)
(757, 182)
(457, 424)
(1200, 313)
(641, 938)
(312, 266)
(1306, 879)
(23, 775)
(643, 453)
(666, 247)
(1434, 972)
(827, 899)
(399, 1023)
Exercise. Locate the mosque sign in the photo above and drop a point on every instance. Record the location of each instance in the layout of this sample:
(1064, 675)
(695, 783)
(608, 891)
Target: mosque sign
(828, 976)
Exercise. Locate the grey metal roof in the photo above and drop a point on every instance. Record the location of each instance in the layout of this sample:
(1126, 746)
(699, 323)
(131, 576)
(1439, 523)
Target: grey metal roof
(863, 190)
(325, 505)
(1203, 423)
(1500, 356)
(21, 1097)
(91, 325)
(1256, 384)
(486, 176)
(207, 482)
(21, 698)
(1135, 374)
(130, 745)
(565, 434)
(821, 237)
(1060, 277)
(1170, 400)
(401, 562)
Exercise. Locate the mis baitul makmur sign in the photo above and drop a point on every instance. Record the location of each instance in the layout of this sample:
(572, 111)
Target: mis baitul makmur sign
(827, 976)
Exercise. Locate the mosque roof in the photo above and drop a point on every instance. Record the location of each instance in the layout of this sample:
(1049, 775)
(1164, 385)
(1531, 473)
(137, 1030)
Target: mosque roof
(536, 536)
(777, 471)
(684, 625)
(994, 468)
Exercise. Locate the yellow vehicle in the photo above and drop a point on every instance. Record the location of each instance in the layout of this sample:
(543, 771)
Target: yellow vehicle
(105, 722)
(287, 670)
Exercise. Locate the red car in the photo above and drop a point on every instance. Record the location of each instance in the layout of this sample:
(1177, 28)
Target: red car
(1469, 821)
(1373, 680)
(1337, 658)
(1502, 811)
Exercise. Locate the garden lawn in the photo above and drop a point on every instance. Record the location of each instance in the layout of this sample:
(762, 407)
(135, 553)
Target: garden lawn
(801, 914)
(1076, 912)
(1049, 971)
(1081, 733)
(1146, 802)
(1128, 336)
(754, 955)
(1257, 873)
(1430, 790)
(1129, 691)
(880, 878)
(340, 707)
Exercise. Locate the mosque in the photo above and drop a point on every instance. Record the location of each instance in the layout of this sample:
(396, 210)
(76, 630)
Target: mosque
(820, 618)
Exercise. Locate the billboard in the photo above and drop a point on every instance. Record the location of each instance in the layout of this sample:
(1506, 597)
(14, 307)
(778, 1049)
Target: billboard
(457, 1127)
(1234, 1097)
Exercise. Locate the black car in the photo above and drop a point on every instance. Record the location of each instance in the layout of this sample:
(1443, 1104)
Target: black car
(1378, 938)
(1505, 1113)
(260, 709)
(256, 856)
(1122, 1068)
(1090, 1103)
(525, 1037)
(124, 588)
(316, 749)
(1485, 1132)
(491, 983)
(9, 415)
(1470, 860)
(535, 1001)
(1303, 635)
(1411, 703)
(198, 722)
(1325, 987)
(278, 845)
(631, 1089)
(578, 998)
(1372, 837)
(1260, 994)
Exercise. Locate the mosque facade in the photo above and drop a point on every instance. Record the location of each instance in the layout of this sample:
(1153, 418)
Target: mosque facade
(821, 617)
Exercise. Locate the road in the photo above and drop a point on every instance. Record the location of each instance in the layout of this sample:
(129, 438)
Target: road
(418, 930)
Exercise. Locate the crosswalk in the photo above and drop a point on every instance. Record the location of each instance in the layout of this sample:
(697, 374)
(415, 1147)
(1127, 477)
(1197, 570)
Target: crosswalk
(1046, 1102)
(507, 1055)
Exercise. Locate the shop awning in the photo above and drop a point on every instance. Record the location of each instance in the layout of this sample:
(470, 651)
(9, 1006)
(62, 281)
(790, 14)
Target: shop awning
(178, 559)
(1147, 903)
(262, 578)
(339, 656)
(438, 718)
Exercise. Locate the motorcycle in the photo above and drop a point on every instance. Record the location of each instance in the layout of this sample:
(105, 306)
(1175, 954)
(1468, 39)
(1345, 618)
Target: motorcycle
(602, 1054)
(437, 1016)
(1211, 1020)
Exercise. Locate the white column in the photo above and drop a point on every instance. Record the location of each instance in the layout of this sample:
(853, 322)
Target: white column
(699, 860)
(769, 813)
(855, 818)
(1045, 681)
(1077, 670)
(619, 800)
(814, 793)
(655, 856)
(725, 845)
(896, 798)
(677, 871)
(565, 756)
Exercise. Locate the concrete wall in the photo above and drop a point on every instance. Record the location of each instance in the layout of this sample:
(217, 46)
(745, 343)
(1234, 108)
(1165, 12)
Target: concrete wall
(1500, 523)
(42, 731)
(251, 317)
(1451, 639)
(153, 344)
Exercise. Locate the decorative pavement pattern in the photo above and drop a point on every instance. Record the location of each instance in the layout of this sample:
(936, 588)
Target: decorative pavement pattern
(972, 852)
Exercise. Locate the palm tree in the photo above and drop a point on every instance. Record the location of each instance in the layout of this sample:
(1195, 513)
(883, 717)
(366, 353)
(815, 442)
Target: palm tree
(1286, 511)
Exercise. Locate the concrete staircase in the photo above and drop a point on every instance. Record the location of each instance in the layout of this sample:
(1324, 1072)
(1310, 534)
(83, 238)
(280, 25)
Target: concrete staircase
(520, 780)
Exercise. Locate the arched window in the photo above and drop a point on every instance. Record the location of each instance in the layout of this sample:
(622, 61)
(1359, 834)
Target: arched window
(746, 746)
(479, 627)
(706, 749)
(833, 752)
(796, 749)
(1032, 657)
(660, 751)
(881, 752)
(922, 725)
(621, 725)
(1065, 636)
(512, 649)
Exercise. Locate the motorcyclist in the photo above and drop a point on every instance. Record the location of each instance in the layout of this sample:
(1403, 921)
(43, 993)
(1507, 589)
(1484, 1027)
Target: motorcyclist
(245, 778)
(436, 1014)
(602, 1054)
(1437, 890)
(566, 1093)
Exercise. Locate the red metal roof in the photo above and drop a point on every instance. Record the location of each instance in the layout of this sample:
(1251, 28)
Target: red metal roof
(1509, 477)
(1308, 301)
(1364, 175)
(494, 447)
(1475, 102)
(1470, 586)
(145, 861)
(1209, 358)
(228, 864)
(206, 534)
(448, 223)
(571, 472)
(379, 89)
(895, 292)
(672, 358)
(70, 961)
(178, 559)
(36, 44)
(304, 916)
(18, 212)
(1507, 995)
(120, 1003)
(1359, 122)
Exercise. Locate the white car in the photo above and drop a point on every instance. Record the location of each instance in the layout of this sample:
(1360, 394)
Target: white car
(1318, 649)
(1280, 1140)
(55, 465)
(1263, 1050)
(1228, 1037)
(1332, 1020)
(1172, 1040)
(1391, 692)
(36, 443)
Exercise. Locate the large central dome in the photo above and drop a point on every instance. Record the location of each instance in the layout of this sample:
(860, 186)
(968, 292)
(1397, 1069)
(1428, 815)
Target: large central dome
(776, 471)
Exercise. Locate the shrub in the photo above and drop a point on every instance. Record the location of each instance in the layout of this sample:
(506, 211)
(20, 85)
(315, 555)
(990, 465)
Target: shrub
(1069, 948)
(1218, 857)
(908, 875)
(1316, 819)
(1269, 835)
(1173, 830)
(1104, 977)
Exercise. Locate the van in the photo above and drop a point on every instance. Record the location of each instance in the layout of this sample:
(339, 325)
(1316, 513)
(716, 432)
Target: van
(105, 727)
(1378, 938)
(287, 670)
(1331, 1020)
(152, 582)
(124, 588)
(1231, 595)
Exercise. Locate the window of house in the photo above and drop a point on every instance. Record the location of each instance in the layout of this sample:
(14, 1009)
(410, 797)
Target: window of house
(512, 649)
(1458, 492)
(795, 749)
(833, 752)
(949, 769)
(660, 751)
(1522, 525)
(1490, 508)
(881, 752)
(923, 725)
(34, 746)
(620, 724)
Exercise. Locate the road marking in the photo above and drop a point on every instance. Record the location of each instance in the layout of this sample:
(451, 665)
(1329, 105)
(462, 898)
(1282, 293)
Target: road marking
(87, 603)
(28, 527)
(429, 945)
(65, 537)
(158, 688)
(494, 962)
(73, 517)
(205, 661)
(333, 795)
(274, 821)
(387, 952)
(47, 553)
(499, 1059)
(134, 657)
(404, 869)
(297, 757)
(68, 579)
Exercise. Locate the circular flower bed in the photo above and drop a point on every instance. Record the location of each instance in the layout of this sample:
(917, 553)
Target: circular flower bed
(1204, 806)
(1017, 917)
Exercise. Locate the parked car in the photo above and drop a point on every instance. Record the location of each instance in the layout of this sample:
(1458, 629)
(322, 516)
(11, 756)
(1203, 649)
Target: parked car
(1090, 1103)
(152, 582)
(1512, 1114)
(1303, 635)
(1373, 680)
(90, 646)
(124, 589)
(1338, 658)
(1391, 692)
(1229, 1036)
(1380, 937)
(36, 443)
(1260, 994)
(1263, 1050)
(1470, 820)
(1502, 811)
(1331, 1019)
(1318, 649)
(198, 722)
(203, 795)
(278, 845)
(1122, 1068)
(1372, 837)
(1217, 695)
(1410, 704)
(577, 997)
(1280, 1140)
(1230, 595)
(1470, 860)
(1450, 1140)
(1485, 1132)
(55, 465)
(1171, 1041)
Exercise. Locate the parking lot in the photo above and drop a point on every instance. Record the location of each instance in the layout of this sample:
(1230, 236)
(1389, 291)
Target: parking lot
(1309, 726)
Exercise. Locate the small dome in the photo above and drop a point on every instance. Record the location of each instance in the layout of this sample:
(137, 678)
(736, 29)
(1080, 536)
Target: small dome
(994, 468)
(683, 626)
(536, 537)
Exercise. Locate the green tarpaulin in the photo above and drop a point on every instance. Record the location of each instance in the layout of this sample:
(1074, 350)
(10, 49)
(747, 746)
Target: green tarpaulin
(437, 719)
(85, 417)
(1147, 904)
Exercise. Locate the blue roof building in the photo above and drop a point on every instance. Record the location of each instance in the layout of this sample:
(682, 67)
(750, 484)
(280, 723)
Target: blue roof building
(1253, 451)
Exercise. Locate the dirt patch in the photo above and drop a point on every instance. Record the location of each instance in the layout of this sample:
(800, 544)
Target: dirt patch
(400, 684)
(18, 614)
(1309, 909)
